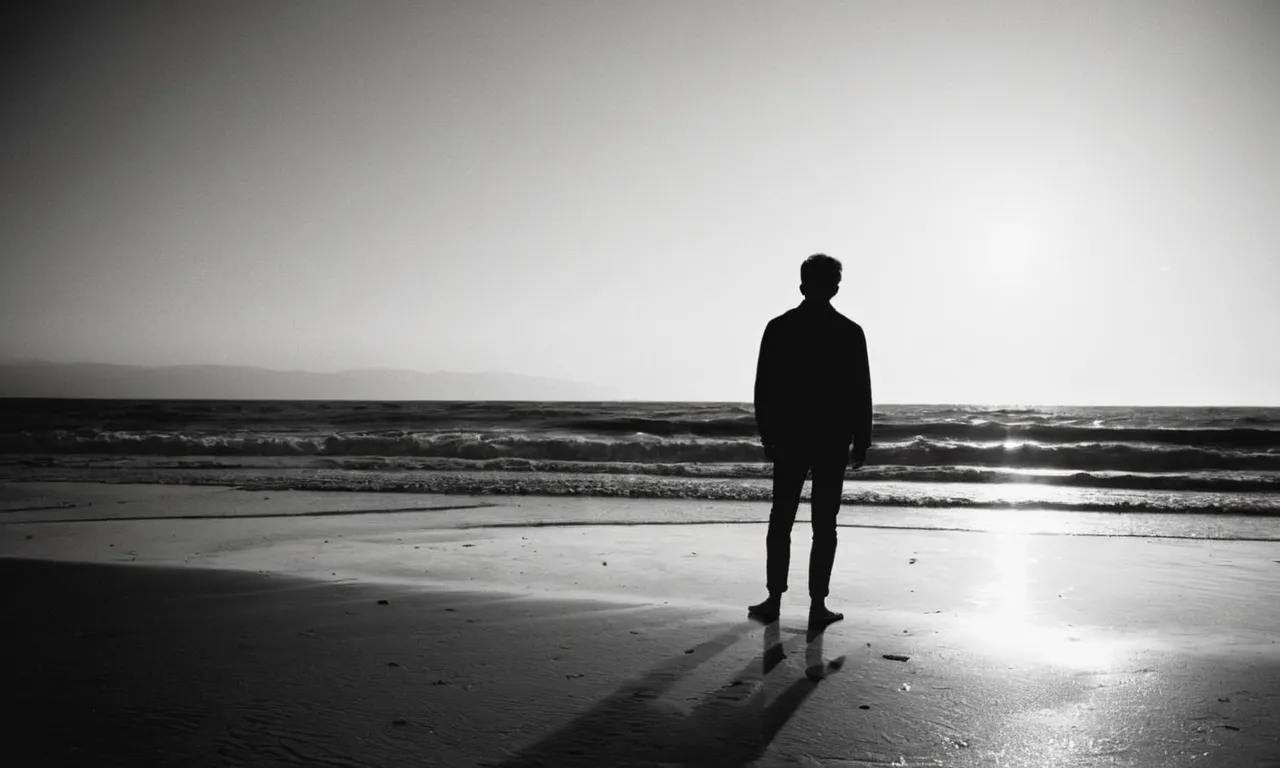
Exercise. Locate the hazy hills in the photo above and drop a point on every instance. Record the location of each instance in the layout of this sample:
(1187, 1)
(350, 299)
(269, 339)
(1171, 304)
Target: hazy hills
(198, 382)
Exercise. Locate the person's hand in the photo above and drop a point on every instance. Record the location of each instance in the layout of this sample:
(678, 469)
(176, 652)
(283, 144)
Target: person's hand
(770, 452)
(857, 457)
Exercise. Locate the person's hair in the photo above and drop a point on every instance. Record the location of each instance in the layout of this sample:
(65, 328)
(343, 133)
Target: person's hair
(821, 273)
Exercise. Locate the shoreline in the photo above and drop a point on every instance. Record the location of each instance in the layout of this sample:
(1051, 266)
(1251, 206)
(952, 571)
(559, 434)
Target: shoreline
(40, 502)
(860, 490)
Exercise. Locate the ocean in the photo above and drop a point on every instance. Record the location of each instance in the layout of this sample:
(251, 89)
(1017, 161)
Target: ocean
(1205, 461)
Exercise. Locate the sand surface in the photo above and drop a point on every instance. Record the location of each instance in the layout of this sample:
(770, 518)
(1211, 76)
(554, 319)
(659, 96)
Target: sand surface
(173, 625)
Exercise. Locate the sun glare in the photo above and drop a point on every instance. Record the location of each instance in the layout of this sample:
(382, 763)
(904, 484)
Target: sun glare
(1007, 622)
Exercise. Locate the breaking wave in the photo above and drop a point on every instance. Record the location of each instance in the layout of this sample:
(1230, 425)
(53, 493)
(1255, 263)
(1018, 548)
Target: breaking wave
(1110, 456)
(660, 448)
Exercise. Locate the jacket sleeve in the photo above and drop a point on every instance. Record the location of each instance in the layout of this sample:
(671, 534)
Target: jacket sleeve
(862, 408)
(765, 390)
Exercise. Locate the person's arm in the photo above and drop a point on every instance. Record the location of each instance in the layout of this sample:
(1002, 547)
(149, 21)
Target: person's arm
(765, 391)
(862, 395)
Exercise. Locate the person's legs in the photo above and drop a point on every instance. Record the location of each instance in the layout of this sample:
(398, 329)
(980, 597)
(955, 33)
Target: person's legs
(789, 471)
(788, 481)
(828, 485)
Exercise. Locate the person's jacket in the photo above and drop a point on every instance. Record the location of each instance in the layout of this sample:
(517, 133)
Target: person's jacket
(813, 380)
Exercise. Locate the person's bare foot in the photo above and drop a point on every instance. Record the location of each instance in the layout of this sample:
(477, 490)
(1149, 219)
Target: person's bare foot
(768, 610)
(821, 616)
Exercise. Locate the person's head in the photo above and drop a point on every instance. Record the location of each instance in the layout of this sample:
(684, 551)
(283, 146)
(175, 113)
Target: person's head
(820, 277)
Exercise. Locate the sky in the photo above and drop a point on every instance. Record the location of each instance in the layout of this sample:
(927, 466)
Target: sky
(1034, 203)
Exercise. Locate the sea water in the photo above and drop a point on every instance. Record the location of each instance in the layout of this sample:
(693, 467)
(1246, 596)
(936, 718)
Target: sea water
(1086, 459)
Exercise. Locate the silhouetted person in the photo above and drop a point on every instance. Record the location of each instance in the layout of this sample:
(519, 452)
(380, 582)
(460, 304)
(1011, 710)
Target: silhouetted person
(813, 409)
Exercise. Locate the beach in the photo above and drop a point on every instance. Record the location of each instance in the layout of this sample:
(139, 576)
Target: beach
(412, 385)
(181, 625)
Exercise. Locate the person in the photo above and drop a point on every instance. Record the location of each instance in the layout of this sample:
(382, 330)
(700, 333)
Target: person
(813, 411)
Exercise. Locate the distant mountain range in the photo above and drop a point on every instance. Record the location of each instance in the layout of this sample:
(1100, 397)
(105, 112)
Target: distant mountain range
(239, 382)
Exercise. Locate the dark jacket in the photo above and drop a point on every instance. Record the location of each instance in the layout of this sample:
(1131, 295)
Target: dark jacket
(813, 381)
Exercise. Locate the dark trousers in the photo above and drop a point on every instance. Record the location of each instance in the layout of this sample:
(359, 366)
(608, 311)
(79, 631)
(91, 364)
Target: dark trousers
(790, 467)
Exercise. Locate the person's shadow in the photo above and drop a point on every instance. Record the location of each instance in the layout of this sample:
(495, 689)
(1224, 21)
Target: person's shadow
(729, 726)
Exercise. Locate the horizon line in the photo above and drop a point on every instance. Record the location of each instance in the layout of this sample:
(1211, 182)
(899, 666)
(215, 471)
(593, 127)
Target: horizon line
(972, 404)
(999, 405)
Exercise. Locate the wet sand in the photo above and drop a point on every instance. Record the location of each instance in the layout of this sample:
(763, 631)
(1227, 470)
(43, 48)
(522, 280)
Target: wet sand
(251, 632)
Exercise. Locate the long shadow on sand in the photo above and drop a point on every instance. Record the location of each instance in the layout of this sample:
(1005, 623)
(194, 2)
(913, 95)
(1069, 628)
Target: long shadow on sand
(729, 726)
